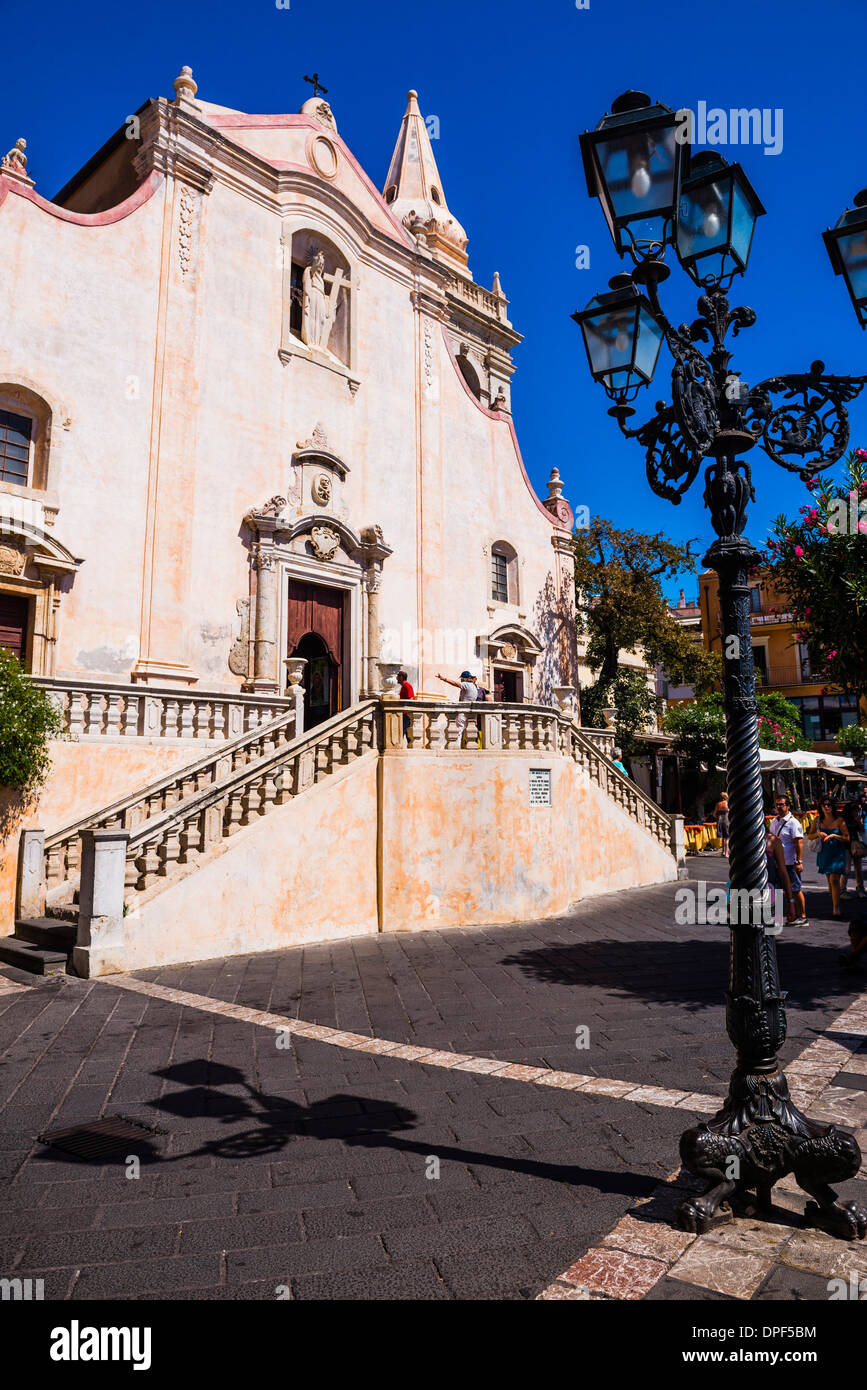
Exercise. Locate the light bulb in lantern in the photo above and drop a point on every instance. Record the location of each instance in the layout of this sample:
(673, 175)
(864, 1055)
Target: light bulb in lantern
(711, 224)
(640, 182)
(621, 342)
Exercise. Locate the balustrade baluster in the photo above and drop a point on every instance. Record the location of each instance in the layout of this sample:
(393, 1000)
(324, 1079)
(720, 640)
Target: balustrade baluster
(148, 865)
(168, 849)
(188, 709)
(234, 811)
(55, 864)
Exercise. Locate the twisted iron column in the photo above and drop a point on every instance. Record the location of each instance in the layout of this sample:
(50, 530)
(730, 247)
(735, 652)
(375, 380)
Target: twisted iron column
(759, 1135)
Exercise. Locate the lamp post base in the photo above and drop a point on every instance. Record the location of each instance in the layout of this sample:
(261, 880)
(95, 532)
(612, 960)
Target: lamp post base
(757, 1138)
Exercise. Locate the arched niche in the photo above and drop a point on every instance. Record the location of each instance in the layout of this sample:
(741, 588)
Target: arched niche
(318, 311)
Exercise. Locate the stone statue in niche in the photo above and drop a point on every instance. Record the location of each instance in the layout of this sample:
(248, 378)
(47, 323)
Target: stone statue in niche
(319, 305)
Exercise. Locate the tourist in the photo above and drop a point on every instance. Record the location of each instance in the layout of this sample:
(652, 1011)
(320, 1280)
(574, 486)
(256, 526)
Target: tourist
(469, 694)
(616, 759)
(721, 814)
(790, 833)
(833, 835)
(778, 876)
(854, 818)
(406, 693)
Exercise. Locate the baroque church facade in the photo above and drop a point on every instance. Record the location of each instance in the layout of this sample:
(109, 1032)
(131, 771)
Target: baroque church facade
(257, 454)
(254, 409)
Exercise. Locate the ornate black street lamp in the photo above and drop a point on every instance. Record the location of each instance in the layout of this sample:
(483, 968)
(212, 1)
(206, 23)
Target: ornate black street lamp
(847, 248)
(759, 1135)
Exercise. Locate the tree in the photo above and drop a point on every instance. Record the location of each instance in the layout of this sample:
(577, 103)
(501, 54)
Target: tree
(634, 701)
(28, 720)
(852, 740)
(618, 577)
(820, 561)
(698, 729)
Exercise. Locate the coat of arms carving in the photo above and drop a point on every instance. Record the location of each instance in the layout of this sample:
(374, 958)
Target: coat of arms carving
(324, 541)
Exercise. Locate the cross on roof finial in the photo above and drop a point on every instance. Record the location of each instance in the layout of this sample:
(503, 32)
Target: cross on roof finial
(316, 85)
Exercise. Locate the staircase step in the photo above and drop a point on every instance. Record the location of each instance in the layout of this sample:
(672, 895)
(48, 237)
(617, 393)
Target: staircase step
(63, 914)
(14, 951)
(52, 933)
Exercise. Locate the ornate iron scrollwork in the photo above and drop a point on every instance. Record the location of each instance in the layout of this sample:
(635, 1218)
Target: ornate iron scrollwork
(809, 429)
(671, 464)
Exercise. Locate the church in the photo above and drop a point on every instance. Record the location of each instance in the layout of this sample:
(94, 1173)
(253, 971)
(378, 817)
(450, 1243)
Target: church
(257, 455)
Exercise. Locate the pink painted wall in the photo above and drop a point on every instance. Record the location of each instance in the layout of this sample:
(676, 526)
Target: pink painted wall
(308, 870)
(84, 777)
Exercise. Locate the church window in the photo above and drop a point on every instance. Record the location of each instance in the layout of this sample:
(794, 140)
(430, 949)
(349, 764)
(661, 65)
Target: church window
(16, 432)
(500, 577)
(435, 195)
(391, 193)
(504, 573)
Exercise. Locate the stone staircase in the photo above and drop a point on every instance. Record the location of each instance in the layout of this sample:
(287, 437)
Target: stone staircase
(166, 830)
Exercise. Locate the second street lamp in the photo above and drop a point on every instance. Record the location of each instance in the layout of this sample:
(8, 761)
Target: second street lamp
(800, 422)
(847, 247)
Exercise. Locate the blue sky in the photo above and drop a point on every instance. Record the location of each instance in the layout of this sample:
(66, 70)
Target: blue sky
(513, 86)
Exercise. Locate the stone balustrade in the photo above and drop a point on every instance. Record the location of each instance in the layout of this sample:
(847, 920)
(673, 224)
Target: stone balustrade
(172, 823)
(181, 833)
(95, 709)
(62, 848)
(410, 726)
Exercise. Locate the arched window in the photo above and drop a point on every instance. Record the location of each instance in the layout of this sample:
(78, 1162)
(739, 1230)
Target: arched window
(25, 430)
(504, 573)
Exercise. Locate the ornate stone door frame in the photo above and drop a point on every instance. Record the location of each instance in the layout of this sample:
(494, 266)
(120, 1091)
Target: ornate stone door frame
(320, 549)
(329, 577)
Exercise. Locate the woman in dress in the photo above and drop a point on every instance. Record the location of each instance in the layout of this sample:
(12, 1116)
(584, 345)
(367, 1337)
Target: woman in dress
(722, 821)
(831, 832)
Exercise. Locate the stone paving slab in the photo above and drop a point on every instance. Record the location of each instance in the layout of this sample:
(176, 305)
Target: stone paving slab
(306, 1170)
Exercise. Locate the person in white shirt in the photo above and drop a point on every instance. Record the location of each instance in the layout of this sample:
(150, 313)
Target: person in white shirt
(469, 693)
(790, 833)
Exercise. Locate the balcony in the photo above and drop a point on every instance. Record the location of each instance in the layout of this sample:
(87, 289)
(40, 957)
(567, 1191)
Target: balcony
(778, 676)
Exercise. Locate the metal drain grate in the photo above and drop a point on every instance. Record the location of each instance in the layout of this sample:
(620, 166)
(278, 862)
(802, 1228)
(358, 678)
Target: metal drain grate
(97, 1138)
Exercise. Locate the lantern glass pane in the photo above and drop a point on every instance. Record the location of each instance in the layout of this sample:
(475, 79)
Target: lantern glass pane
(743, 224)
(703, 222)
(853, 253)
(638, 170)
(649, 343)
(609, 337)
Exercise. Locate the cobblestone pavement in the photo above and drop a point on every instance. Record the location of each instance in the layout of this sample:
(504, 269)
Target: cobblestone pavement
(312, 1165)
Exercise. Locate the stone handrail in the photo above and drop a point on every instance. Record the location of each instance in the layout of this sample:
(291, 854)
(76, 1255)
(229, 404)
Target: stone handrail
(181, 833)
(103, 710)
(62, 847)
(173, 822)
(637, 804)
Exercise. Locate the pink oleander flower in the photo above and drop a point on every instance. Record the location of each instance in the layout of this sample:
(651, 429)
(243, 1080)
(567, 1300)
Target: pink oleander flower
(832, 654)
(807, 612)
(862, 525)
(861, 454)
(799, 551)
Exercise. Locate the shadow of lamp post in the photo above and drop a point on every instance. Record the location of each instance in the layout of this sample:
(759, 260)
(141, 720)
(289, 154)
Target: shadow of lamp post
(655, 194)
